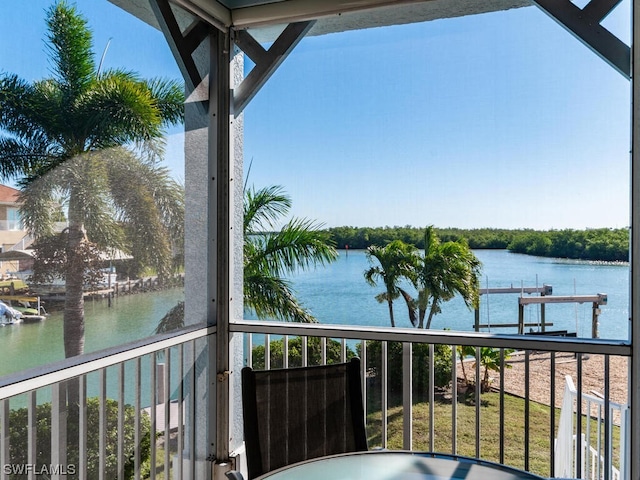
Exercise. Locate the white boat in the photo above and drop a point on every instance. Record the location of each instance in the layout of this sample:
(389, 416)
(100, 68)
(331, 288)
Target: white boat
(8, 315)
(28, 306)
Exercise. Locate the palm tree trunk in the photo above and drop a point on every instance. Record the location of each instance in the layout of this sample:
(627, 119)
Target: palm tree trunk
(73, 328)
(390, 303)
(423, 303)
(432, 313)
(74, 314)
(421, 314)
(74, 299)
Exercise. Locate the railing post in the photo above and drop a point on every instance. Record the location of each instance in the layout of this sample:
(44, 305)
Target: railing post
(563, 456)
(5, 436)
(454, 399)
(59, 425)
(102, 426)
(407, 394)
(385, 392)
(32, 431)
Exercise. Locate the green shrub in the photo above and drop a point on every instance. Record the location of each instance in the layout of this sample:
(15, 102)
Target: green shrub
(420, 365)
(314, 352)
(442, 361)
(18, 439)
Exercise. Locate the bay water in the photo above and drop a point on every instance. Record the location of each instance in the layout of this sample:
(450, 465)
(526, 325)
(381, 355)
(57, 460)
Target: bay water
(338, 294)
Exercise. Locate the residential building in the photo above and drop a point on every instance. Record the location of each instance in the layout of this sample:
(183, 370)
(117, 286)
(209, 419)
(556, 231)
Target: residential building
(11, 231)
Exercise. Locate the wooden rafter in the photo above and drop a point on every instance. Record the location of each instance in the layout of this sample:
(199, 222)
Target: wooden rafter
(182, 44)
(585, 24)
(266, 61)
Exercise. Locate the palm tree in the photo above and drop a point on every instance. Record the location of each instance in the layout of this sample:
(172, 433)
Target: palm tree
(90, 140)
(445, 270)
(396, 261)
(270, 255)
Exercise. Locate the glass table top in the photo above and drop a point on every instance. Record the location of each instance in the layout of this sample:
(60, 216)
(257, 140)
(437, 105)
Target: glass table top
(394, 465)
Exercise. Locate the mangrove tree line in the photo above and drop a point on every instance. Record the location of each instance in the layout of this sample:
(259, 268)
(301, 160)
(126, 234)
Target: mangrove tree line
(604, 244)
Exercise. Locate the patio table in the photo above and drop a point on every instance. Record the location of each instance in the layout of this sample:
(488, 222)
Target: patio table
(397, 465)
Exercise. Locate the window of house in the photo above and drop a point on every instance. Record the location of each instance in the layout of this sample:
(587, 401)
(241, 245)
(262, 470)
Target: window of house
(13, 219)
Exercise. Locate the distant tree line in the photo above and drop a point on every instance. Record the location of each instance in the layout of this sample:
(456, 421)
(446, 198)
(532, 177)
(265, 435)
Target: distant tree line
(602, 244)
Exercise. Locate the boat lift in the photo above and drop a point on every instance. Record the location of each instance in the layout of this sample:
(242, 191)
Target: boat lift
(545, 296)
(596, 300)
(543, 291)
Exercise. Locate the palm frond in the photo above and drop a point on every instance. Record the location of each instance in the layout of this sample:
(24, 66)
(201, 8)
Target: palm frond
(371, 275)
(28, 125)
(299, 245)
(149, 204)
(173, 320)
(70, 46)
(263, 207)
(446, 270)
(117, 111)
(37, 205)
(169, 95)
(272, 298)
(16, 99)
(18, 158)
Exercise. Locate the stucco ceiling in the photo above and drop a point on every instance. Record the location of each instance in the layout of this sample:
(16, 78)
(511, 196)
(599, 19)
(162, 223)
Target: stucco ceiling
(265, 16)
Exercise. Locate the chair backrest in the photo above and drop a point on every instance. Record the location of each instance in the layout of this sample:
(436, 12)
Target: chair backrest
(295, 414)
(234, 475)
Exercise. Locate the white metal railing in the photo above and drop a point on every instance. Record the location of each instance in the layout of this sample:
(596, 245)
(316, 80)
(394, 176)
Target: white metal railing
(120, 388)
(23, 244)
(10, 225)
(270, 345)
(26, 241)
(127, 422)
(595, 447)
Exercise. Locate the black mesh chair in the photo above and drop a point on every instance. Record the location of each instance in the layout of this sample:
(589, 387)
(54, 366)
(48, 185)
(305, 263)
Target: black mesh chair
(234, 475)
(295, 414)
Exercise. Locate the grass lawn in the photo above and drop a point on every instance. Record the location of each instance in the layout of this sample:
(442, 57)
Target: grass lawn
(514, 428)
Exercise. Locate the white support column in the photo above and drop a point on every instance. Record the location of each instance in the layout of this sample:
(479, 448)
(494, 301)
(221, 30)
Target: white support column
(199, 358)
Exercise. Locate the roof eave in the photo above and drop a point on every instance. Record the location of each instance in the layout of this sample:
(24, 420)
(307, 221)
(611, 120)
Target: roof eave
(333, 15)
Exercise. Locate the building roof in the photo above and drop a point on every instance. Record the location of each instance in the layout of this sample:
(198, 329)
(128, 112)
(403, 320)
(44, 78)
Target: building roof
(8, 195)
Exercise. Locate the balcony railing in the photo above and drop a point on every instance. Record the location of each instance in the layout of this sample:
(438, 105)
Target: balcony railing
(132, 406)
(591, 445)
(129, 426)
(10, 225)
(417, 397)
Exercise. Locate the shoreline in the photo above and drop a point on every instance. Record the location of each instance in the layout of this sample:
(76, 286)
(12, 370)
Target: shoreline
(539, 384)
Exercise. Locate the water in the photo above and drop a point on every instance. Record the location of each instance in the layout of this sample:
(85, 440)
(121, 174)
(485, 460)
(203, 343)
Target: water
(130, 318)
(338, 294)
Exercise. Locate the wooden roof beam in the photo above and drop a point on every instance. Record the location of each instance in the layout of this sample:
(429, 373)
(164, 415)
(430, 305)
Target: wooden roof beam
(182, 44)
(266, 61)
(585, 24)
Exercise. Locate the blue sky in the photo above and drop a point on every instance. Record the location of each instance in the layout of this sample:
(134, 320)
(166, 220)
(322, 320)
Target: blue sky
(496, 120)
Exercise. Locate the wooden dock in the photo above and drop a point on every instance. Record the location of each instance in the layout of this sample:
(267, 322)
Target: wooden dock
(124, 287)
